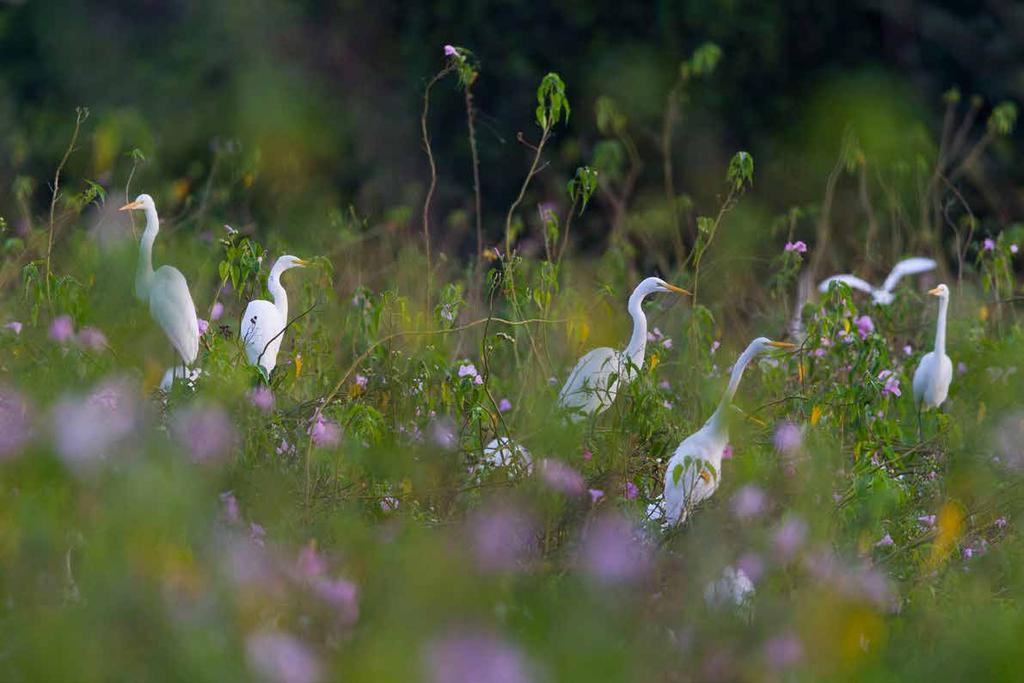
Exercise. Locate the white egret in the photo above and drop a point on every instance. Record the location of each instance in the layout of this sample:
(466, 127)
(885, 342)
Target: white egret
(594, 383)
(935, 371)
(694, 471)
(883, 296)
(263, 323)
(165, 289)
(504, 452)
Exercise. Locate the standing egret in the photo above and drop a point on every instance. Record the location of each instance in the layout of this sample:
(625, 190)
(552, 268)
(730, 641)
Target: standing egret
(594, 382)
(883, 296)
(165, 289)
(263, 322)
(935, 371)
(694, 471)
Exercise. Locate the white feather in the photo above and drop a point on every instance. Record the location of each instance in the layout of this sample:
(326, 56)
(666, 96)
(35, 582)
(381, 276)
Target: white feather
(261, 323)
(910, 266)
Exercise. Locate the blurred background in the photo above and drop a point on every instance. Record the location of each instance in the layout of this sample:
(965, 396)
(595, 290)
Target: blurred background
(310, 107)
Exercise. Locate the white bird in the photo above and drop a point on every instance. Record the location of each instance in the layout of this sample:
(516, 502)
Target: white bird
(732, 589)
(165, 289)
(504, 452)
(935, 371)
(883, 296)
(263, 322)
(594, 383)
(176, 372)
(694, 471)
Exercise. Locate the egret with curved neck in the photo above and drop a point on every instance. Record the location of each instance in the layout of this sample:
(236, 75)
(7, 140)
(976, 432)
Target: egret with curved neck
(935, 371)
(263, 322)
(694, 471)
(165, 288)
(594, 383)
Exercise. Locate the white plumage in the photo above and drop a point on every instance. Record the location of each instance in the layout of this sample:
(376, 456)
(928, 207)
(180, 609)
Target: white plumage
(694, 471)
(594, 382)
(935, 371)
(883, 295)
(263, 323)
(166, 290)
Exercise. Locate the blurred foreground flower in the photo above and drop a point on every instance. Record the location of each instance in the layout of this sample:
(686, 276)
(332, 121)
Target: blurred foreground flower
(204, 325)
(15, 427)
(748, 501)
(504, 405)
(788, 438)
(62, 329)
(989, 244)
(324, 432)
(504, 537)
(217, 311)
(14, 326)
(205, 431)
(92, 339)
(282, 658)
(789, 537)
(86, 429)
(613, 551)
(474, 657)
(262, 398)
(783, 652)
(561, 477)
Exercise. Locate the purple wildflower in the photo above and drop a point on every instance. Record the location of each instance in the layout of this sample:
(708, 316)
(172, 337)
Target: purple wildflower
(13, 326)
(788, 438)
(989, 244)
(865, 326)
(595, 495)
(257, 533)
(262, 398)
(361, 381)
(504, 537)
(230, 505)
(1013, 249)
(389, 504)
(450, 51)
(282, 658)
(789, 536)
(561, 477)
(885, 541)
(714, 345)
(206, 432)
(612, 551)
(748, 501)
(907, 350)
(324, 432)
(752, 565)
(442, 433)
(62, 329)
(92, 339)
(217, 311)
(341, 595)
(88, 429)
(475, 656)
(587, 455)
(631, 491)
(204, 325)
(469, 370)
(892, 383)
(784, 651)
(927, 521)
(727, 452)
(1001, 522)
(799, 247)
(504, 405)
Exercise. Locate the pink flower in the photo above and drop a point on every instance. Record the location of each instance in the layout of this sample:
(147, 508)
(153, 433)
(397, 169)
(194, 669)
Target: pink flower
(62, 329)
(262, 398)
(89, 429)
(282, 658)
(864, 326)
(504, 537)
(450, 51)
(631, 491)
(361, 381)
(714, 345)
(727, 452)
(341, 595)
(1013, 249)
(1001, 522)
(788, 438)
(927, 521)
(799, 247)
(892, 383)
(561, 477)
(885, 541)
(989, 244)
(389, 503)
(257, 533)
(13, 326)
(205, 431)
(469, 370)
(309, 564)
(752, 565)
(203, 326)
(748, 501)
(217, 311)
(783, 652)
(595, 495)
(471, 656)
(285, 448)
(587, 455)
(907, 350)
(789, 536)
(324, 432)
(504, 405)
(92, 339)
(14, 423)
(612, 551)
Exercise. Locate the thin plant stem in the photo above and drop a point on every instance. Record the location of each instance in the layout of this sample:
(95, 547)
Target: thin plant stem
(425, 136)
(81, 114)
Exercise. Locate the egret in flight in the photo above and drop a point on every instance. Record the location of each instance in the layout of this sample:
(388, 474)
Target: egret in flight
(935, 371)
(165, 289)
(694, 471)
(883, 296)
(594, 382)
(263, 322)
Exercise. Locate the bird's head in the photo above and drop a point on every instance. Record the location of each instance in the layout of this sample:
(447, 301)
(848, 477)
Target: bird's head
(656, 284)
(288, 261)
(762, 344)
(942, 291)
(143, 201)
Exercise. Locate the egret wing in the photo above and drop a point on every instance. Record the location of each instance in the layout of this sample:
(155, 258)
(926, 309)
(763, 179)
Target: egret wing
(261, 324)
(593, 383)
(171, 305)
(850, 280)
(910, 266)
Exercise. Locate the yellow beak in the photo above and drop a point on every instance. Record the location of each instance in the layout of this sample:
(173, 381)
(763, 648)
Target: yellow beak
(131, 205)
(301, 263)
(782, 345)
(935, 292)
(677, 290)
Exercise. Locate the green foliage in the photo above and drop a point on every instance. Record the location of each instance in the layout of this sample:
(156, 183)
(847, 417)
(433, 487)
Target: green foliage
(582, 187)
(552, 103)
(740, 173)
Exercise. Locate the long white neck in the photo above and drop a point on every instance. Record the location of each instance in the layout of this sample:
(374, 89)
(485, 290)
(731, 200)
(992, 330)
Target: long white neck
(277, 291)
(940, 327)
(144, 272)
(718, 421)
(638, 341)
